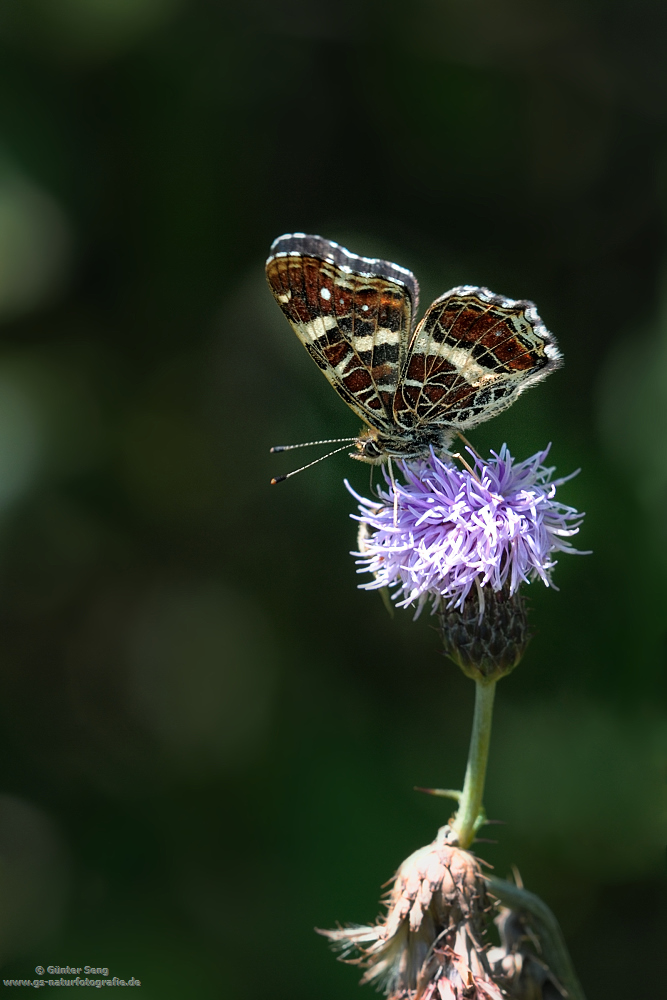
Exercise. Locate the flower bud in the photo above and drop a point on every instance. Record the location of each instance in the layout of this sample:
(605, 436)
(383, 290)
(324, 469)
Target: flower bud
(487, 636)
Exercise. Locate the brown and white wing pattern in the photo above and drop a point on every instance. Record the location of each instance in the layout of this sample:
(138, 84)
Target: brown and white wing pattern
(470, 357)
(352, 314)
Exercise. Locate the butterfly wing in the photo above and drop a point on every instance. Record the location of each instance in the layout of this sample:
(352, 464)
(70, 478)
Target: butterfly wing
(352, 314)
(470, 357)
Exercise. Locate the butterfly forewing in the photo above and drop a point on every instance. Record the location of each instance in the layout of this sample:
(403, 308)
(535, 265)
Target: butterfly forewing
(472, 354)
(353, 315)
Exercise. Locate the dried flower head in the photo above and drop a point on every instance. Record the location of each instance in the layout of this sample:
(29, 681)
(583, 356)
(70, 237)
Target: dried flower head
(431, 944)
(517, 963)
(447, 530)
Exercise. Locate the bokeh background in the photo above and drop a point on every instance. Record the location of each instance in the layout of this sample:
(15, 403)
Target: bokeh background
(209, 736)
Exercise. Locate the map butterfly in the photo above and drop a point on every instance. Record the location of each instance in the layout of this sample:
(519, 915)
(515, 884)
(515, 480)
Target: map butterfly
(414, 386)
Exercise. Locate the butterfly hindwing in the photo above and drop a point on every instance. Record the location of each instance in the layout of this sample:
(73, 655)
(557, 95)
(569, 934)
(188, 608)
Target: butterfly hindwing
(470, 357)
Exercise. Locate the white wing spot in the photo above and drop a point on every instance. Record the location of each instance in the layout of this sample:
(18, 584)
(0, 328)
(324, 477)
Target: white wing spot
(318, 327)
(325, 293)
(381, 336)
(342, 301)
(365, 309)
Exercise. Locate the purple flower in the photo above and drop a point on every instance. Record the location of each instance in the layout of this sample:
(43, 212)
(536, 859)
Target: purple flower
(447, 530)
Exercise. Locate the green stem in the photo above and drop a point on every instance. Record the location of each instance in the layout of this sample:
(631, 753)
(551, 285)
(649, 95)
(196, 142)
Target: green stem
(469, 815)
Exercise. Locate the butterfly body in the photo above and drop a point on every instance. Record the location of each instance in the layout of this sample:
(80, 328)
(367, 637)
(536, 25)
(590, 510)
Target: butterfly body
(374, 447)
(413, 386)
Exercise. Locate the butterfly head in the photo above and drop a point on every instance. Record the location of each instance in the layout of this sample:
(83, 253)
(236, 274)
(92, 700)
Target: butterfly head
(369, 448)
(375, 448)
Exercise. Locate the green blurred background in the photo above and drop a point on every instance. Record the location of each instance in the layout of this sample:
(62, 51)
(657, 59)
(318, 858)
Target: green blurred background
(208, 736)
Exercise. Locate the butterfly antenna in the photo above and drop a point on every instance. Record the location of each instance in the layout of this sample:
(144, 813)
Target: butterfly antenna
(307, 444)
(280, 479)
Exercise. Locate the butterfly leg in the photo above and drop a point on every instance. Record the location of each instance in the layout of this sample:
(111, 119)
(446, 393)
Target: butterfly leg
(457, 454)
(393, 486)
(468, 445)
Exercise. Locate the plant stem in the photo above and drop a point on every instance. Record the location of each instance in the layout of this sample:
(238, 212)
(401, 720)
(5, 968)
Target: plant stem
(469, 813)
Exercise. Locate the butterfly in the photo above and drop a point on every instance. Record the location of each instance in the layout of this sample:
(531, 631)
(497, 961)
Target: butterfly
(414, 386)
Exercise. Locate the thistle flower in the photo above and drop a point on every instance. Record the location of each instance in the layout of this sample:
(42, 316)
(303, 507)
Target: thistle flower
(446, 530)
(431, 943)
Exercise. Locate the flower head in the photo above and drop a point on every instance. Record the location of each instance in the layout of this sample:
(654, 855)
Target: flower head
(518, 963)
(432, 943)
(447, 530)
